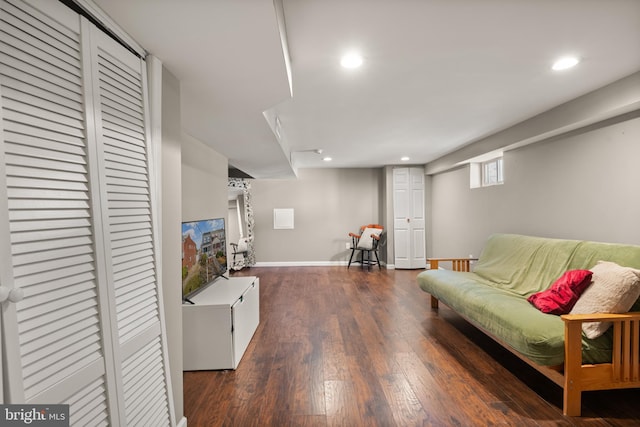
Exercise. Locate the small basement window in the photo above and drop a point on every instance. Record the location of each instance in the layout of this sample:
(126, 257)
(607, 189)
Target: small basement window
(492, 172)
(486, 173)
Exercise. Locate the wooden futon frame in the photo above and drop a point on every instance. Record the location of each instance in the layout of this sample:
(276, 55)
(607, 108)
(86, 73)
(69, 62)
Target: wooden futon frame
(573, 376)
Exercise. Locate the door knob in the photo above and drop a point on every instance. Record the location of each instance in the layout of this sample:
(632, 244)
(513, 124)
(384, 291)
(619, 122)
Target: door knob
(13, 295)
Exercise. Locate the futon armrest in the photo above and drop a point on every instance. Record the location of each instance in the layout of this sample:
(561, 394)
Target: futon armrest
(600, 317)
(458, 264)
(625, 334)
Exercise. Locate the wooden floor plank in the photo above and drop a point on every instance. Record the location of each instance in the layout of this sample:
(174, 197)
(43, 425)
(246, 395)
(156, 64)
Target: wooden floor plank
(338, 347)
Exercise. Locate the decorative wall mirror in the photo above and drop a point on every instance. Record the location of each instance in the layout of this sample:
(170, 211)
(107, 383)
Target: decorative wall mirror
(240, 228)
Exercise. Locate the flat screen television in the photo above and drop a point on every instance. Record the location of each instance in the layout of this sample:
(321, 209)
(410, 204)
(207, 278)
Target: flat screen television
(204, 255)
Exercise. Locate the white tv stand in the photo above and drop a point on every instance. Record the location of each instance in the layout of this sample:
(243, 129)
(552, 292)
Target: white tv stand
(218, 326)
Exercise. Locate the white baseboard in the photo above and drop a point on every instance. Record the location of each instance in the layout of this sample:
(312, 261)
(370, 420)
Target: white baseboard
(311, 264)
(182, 422)
(300, 263)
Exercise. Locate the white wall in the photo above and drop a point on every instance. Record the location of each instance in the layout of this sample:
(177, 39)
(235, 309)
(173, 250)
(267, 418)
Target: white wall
(200, 175)
(582, 186)
(204, 181)
(328, 204)
(171, 238)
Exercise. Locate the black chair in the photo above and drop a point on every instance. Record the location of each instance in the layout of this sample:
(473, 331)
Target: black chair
(367, 242)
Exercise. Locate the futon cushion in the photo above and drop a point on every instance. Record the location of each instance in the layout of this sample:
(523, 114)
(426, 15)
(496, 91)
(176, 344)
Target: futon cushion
(563, 293)
(524, 264)
(509, 317)
(614, 289)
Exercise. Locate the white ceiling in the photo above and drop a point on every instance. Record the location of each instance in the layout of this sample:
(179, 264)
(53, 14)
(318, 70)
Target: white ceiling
(438, 74)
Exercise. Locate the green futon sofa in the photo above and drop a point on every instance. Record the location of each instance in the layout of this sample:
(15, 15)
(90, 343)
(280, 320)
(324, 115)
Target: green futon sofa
(493, 297)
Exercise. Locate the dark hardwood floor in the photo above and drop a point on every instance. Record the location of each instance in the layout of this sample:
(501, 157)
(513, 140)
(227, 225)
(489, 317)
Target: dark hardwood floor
(358, 348)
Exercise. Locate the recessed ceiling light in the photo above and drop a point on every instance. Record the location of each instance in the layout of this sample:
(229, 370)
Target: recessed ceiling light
(351, 60)
(565, 63)
(405, 159)
(327, 159)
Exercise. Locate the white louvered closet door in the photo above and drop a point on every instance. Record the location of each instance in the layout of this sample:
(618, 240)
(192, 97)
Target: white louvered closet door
(76, 216)
(119, 85)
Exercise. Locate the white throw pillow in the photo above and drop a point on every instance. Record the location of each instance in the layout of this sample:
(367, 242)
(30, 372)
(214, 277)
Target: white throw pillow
(614, 289)
(243, 244)
(366, 241)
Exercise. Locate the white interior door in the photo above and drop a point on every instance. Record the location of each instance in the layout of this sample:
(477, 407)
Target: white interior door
(409, 218)
(57, 351)
(128, 229)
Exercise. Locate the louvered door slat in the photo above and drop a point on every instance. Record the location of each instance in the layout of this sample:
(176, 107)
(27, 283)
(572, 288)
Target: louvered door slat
(139, 278)
(121, 184)
(32, 83)
(119, 122)
(63, 346)
(40, 164)
(69, 146)
(120, 77)
(60, 371)
(129, 218)
(40, 51)
(114, 108)
(87, 408)
(40, 158)
(44, 234)
(120, 161)
(124, 251)
(28, 131)
(62, 263)
(46, 184)
(58, 335)
(127, 175)
(50, 121)
(47, 214)
(128, 226)
(43, 298)
(136, 194)
(33, 247)
(126, 119)
(117, 92)
(30, 327)
(20, 171)
(38, 68)
(73, 161)
(50, 112)
(44, 26)
(44, 100)
(55, 254)
(26, 225)
(133, 370)
(133, 241)
(143, 291)
(85, 319)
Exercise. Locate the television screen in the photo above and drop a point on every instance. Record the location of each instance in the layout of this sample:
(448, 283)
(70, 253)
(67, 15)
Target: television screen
(204, 254)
